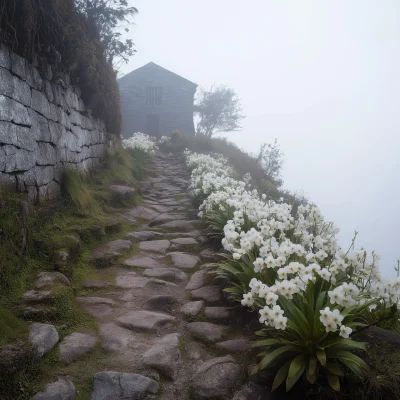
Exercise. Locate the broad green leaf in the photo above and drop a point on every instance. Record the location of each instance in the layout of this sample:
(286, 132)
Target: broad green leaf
(291, 381)
(267, 342)
(321, 357)
(269, 358)
(312, 365)
(334, 368)
(334, 382)
(280, 376)
(298, 363)
(346, 355)
(353, 367)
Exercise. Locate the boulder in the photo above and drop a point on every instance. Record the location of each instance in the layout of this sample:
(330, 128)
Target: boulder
(145, 320)
(110, 385)
(43, 337)
(37, 296)
(143, 235)
(143, 261)
(174, 274)
(218, 313)
(192, 308)
(162, 303)
(252, 391)
(61, 389)
(159, 246)
(183, 260)
(115, 338)
(216, 378)
(210, 293)
(234, 345)
(75, 345)
(46, 279)
(206, 331)
(106, 253)
(164, 356)
(198, 279)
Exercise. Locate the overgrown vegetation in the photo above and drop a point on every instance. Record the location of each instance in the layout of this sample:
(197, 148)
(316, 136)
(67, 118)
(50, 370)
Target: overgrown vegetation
(82, 44)
(32, 238)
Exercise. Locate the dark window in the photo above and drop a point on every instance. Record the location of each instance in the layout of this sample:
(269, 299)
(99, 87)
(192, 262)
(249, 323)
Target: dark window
(154, 96)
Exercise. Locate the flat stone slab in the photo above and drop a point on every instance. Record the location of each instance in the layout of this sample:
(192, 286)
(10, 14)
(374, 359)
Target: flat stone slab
(164, 356)
(184, 224)
(37, 296)
(96, 306)
(143, 261)
(160, 208)
(111, 250)
(163, 303)
(216, 378)
(198, 279)
(145, 320)
(61, 389)
(210, 255)
(217, 313)
(46, 279)
(185, 241)
(76, 345)
(165, 217)
(111, 385)
(159, 246)
(143, 235)
(183, 260)
(206, 330)
(43, 338)
(141, 212)
(192, 308)
(115, 338)
(209, 293)
(94, 284)
(234, 345)
(131, 280)
(173, 274)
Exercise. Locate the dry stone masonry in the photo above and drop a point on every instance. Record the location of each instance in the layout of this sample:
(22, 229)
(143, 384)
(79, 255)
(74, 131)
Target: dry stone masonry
(44, 127)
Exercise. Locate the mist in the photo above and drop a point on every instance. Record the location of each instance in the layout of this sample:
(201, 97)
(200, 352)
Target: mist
(321, 77)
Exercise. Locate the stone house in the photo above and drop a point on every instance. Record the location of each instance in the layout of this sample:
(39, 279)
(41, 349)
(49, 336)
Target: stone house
(156, 101)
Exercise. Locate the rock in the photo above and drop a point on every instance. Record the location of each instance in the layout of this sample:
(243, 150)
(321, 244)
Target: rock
(174, 274)
(183, 260)
(145, 320)
(141, 212)
(131, 280)
(43, 337)
(198, 279)
(37, 312)
(61, 389)
(143, 261)
(110, 385)
(164, 355)
(50, 278)
(159, 246)
(115, 338)
(108, 252)
(161, 209)
(94, 284)
(218, 313)
(97, 306)
(234, 345)
(206, 330)
(185, 224)
(161, 303)
(75, 345)
(165, 217)
(210, 293)
(12, 111)
(216, 378)
(122, 194)
(210, 255)
(37, 296)
(252, 391)
(185, 241)
(143, 235)
(192, 308)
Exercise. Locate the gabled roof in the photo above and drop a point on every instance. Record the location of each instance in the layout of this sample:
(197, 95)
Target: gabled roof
(154, 66)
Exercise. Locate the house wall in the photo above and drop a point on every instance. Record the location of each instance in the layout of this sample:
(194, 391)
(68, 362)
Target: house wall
(176, 111)
(44, 127)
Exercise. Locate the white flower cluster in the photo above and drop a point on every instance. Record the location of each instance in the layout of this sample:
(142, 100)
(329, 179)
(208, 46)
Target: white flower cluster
(301, 247)
(164, 139)
(140, 141)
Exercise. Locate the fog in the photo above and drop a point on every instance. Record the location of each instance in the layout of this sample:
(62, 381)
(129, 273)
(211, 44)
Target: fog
(321, 77)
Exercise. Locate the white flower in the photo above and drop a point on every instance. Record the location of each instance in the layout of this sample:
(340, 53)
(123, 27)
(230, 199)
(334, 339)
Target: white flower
(345, 331)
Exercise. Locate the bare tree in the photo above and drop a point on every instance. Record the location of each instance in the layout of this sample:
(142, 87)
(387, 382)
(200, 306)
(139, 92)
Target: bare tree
(270, 157)
(218, 110)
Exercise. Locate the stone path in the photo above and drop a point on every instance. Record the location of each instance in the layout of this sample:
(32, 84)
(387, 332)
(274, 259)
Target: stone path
(164, 327)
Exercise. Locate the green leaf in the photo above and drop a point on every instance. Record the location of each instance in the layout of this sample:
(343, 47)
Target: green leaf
(334, 368)
(291, 381)
(321, 357)
(334, 382)
(280, 376)
(353, 367)
(298, 363)
(269, 358)
(312, 365)
(266, 342)
(342, 355)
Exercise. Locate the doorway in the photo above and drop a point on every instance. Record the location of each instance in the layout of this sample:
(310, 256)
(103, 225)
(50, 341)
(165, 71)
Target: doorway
(153, 124)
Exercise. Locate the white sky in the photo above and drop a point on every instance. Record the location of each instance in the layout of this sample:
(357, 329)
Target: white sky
(323, 77)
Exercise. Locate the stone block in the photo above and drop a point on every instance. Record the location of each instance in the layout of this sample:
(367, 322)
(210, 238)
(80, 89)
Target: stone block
(55, 112)
(56, 132)
(41, 104)
(46, 154)
(17, 135)
(53, 190)
(5, 60)
(44, 175)
(2, 158)
(8, 183)
(21, 92)
(40, 126)
(18, 159)
(58, 172)
(18, 66)
(12, 111)
(6, 82)
(49, 91)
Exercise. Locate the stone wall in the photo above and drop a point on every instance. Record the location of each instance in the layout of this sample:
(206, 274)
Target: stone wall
(44, 127)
